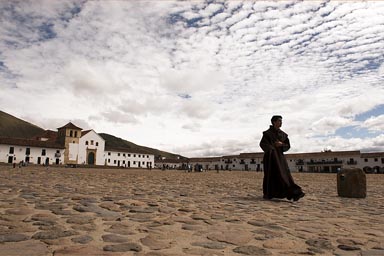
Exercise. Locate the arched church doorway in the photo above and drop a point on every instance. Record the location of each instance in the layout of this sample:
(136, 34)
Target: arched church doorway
(91, 158)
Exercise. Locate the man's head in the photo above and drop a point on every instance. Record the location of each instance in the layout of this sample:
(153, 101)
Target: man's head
(277, 121)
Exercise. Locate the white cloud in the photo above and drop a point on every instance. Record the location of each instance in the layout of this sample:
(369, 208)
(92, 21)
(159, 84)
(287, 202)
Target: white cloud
(375, 123)
(378, 142)
(118, 117)
(197, 78)
(380, 71)
(193, 127)
(328, 125)
(191, 80)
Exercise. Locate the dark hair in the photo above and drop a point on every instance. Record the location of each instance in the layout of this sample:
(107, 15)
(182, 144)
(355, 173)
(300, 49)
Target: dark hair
(275, 118)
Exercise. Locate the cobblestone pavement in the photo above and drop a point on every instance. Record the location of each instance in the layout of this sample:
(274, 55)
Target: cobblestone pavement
(100, 212)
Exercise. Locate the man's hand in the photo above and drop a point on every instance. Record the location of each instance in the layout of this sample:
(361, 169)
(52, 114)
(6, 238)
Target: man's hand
(279, 144)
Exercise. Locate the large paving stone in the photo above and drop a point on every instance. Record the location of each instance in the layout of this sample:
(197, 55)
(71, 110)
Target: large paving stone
(320, 243)
(102, 212)
(281, 244)
(53, 234)
(110, 206)
(231, 237)
(80, 219)
(82, 239)
(156, 244)
(112, 238)
(202, 252)
(126, 247)
(120, 229)
(251, 250)
(25, 248)
(211, 245)
(84, 251)
(44, 217)
(372, 253)
(13, 238)
(265, 234)
(19, 211)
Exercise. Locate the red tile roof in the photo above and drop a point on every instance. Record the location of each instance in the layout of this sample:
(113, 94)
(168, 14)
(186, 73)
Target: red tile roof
(372, 154)
(173, 161)
(70, 126)
(30, 143)
(48, 134)
(204, 159)
(126, 150)
(85, 132)
(231, 156)
(251, 155)
(323, 154)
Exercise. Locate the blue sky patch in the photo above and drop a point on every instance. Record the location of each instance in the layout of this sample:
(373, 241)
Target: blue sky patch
(174, 18)
(184, 96)
(194, 22)
(376, 111)
(46, 31)
(349, 132)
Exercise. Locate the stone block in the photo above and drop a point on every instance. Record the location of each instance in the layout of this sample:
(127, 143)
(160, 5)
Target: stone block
(352, 183)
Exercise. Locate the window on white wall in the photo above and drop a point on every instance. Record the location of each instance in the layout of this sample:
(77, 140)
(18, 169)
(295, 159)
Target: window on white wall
(97, 144)
(86, 143)
(91, 142)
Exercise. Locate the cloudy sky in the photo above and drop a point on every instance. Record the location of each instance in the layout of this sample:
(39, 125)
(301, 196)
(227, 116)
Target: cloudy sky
(198, 78)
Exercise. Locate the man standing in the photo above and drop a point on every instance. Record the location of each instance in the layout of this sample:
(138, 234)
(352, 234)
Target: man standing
(278, 181)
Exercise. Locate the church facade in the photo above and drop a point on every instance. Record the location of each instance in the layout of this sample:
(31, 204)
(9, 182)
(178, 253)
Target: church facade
(72, 146)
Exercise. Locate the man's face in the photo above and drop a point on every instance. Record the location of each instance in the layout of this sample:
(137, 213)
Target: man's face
(278, 123)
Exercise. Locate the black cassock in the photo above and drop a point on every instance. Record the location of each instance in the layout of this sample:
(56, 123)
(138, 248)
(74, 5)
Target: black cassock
(278, 181)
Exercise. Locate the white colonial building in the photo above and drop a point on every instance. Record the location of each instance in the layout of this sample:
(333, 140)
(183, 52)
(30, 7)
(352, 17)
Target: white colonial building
(330, 161)
(126, 158)
(205, 163)
(14, 150)
(70, 146)
(91, 148)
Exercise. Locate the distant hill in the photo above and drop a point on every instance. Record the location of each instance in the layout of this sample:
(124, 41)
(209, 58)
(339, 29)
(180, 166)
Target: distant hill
(14, 127)
(118, 143)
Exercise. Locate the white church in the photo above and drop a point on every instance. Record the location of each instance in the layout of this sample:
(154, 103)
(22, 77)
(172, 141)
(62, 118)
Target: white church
(72, 146)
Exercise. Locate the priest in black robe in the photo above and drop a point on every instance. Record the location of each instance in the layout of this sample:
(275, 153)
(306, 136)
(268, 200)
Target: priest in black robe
(278, 181)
